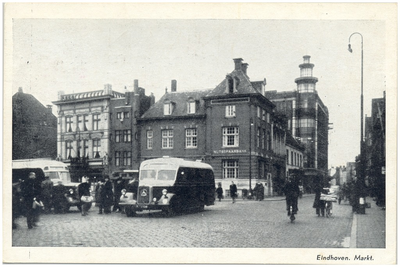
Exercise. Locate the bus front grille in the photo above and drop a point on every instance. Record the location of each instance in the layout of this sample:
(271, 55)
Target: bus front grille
(144, 195)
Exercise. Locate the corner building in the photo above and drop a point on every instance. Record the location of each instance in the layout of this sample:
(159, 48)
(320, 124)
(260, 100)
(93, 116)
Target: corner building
(232, 127)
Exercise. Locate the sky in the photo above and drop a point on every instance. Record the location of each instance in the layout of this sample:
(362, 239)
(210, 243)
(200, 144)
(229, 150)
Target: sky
(79, 55)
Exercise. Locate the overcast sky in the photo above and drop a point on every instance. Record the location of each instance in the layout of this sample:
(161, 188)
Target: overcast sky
(81, 55)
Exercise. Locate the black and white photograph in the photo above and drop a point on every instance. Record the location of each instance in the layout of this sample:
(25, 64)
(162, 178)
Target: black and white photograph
(200, 133)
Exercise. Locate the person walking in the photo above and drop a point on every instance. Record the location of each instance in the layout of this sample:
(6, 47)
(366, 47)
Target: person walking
(47, 194)
(220, 192)
(233, 191)
(106, 196)
(30, 192)
(259, 191)
(319, 205)
(118, 186)
(84, 190)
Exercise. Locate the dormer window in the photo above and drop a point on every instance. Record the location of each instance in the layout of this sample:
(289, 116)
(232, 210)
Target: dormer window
(191, 106)
(230, 111)
(168, 107)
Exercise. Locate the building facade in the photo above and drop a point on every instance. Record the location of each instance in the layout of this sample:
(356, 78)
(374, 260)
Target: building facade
(308, 121)
(87, 123)
(375, 149)
(34, 128)
(232, 127)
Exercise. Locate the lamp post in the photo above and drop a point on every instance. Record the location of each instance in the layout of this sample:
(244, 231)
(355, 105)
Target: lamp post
(251, 125)
(360, 180)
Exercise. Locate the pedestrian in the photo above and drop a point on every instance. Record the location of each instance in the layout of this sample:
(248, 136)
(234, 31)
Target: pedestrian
(106, 196)
(291, 190)
(233, 191)
(47, 194)
(220, 192)
(319, 204)
(84, 190)
(259, 191)
(118, 186)
(59, 200)
(30, 192)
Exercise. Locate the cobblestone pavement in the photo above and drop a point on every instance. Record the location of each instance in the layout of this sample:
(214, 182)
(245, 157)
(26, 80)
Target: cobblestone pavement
(244, 224)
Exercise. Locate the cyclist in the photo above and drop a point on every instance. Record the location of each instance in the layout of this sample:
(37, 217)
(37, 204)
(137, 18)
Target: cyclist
(291, 190)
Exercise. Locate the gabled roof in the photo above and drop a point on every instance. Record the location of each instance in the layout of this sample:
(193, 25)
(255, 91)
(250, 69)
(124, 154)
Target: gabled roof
(179, 100)
(244, 86)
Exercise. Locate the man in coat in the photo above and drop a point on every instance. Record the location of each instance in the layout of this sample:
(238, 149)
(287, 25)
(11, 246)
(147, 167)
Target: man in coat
(292, 191)
(30, 191)
(47, 194)
(233, 191)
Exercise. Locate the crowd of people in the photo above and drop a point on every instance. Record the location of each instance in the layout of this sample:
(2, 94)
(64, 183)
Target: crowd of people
(31, 197)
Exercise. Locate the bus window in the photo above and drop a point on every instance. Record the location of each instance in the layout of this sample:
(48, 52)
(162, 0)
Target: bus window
(147, 174)
(166, 175)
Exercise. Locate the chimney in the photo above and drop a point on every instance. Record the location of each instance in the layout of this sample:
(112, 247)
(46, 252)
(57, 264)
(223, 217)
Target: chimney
(20, 90)
(238, 63)
(244, 68)
(166, 90)
(107, 89)
(136, 86)
(173, 86)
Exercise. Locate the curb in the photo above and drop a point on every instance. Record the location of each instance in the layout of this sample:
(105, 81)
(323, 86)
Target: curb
(353, 235)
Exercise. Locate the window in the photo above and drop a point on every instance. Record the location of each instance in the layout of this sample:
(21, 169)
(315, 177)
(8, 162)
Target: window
(258, 137)
(268, 140)
(230, 136)
(168, 108)
(120, 116)
(167, 138)
(149, 139)
(117, 158)
(79, 125)
(259, 112)
(126, 114)
(118, 136)
(68, 124)
(85, 148)
(230, 111)
(68, 149)
(268, 118)
(287, 156)
(291, 158)
(191, 106)
(96, 120)
(127, 158)
(96, 148)
(230, 168)
(263, 139)
(191, 138)
(263, 114)
(306, 72)
(306, 123)
(127, 136)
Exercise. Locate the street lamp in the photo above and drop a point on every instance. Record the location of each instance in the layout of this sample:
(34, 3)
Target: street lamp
(360, 180)
(251, 125)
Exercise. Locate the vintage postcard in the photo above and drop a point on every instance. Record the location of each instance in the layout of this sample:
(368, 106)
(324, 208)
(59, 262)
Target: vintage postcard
(200, 133)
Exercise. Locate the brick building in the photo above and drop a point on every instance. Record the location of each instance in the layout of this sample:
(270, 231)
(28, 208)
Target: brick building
(34, 128)
(231, 127)
(87, 123)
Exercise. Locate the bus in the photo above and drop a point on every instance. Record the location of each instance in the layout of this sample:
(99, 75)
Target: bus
(57, 171)
(171, 185)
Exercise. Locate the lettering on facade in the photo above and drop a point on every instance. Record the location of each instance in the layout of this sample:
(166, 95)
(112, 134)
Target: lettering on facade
(229, 151)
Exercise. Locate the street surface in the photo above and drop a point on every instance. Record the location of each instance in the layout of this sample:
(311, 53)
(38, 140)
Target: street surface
(244, 224)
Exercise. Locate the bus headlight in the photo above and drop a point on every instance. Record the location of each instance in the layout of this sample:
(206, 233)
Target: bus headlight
(164, 192)
(71, 191)
(165, 200)
(154, 199)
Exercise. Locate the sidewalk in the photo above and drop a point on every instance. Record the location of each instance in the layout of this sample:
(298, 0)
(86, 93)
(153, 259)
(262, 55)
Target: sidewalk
(369, 229)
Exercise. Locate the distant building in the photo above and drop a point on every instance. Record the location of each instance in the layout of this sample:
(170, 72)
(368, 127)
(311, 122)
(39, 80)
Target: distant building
(34, 128)
(308, 120)
(96, 130)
